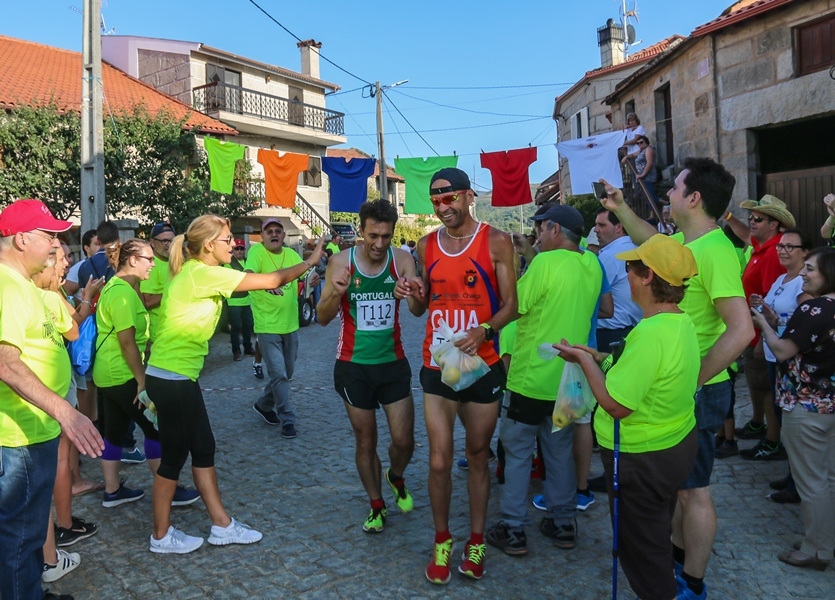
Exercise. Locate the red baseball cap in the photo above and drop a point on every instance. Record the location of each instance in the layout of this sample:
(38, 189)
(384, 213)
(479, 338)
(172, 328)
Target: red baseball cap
(28, 215)
(239, 243)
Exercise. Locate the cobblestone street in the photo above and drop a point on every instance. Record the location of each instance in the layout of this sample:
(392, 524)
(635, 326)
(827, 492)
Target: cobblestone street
(305, 497)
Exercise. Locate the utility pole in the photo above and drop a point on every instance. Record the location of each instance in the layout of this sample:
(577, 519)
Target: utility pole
(381, 146)
(92, 136)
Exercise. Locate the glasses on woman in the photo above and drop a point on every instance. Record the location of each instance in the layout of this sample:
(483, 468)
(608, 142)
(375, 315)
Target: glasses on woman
(226, 240)
(150, 259)
(642, 143)
(786, 247)
(445, 199)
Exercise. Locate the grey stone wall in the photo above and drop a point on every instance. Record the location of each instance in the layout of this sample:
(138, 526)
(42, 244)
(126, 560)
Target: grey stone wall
(167, 72)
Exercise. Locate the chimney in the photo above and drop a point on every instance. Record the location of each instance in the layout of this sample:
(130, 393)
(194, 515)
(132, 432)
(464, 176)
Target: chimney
(611, 41)
(310, 57)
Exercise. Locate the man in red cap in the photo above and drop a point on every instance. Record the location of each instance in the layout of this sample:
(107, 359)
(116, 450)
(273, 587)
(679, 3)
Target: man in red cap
(34, 378)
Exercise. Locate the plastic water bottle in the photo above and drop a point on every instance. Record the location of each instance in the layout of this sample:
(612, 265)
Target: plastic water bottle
(781, 323)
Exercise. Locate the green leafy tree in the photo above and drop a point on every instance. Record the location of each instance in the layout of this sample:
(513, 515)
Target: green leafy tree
(588, 206)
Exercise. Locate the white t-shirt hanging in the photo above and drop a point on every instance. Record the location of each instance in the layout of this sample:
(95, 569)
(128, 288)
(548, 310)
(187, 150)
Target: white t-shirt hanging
(631, 133)
(782, 298)
(593, 158)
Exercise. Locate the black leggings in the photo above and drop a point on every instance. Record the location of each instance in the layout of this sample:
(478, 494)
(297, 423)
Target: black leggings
(184, 426)
(120, 410)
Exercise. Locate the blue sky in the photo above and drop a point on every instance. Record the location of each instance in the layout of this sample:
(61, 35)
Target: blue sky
(433, 44)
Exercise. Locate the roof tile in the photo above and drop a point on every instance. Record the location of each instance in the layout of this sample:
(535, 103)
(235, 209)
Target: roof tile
(35, 74)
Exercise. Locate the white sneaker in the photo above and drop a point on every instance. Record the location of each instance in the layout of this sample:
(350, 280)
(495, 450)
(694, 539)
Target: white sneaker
(234, 533)
(67, 561)
(175, 542)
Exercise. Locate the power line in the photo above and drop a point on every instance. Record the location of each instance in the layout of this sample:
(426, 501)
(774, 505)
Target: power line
(323, 57)
(413, 127)
(345, 91)
(393, 122)
(355, 121)
(462, 128)
(489, 87)
(478, 112)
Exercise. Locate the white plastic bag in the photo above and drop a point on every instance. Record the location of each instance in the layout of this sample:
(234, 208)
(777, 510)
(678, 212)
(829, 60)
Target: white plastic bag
(574, 397)
(459, 370)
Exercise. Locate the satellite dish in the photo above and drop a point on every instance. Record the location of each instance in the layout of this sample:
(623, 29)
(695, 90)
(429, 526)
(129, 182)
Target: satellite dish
(630, 34)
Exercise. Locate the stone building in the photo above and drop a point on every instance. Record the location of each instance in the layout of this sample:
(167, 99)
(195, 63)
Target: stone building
(270, 106)
(581, 111)
(754, 90)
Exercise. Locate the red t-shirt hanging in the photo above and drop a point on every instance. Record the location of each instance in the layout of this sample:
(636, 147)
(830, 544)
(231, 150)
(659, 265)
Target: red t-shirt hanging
(511, 186)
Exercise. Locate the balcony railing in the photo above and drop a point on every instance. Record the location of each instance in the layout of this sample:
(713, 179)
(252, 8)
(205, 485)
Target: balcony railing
(219, 96)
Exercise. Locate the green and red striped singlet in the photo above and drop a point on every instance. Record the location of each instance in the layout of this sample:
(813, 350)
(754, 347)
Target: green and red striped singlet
(370, 317)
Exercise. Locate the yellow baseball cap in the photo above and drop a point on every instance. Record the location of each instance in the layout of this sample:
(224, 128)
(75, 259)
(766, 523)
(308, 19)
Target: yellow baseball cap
(667, 257)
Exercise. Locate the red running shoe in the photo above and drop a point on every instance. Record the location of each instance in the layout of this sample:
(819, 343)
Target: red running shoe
(473, 561)
(438, 570)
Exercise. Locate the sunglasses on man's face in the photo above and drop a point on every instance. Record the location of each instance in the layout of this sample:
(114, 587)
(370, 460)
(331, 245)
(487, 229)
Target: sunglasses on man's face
(756, 218)
(445, 199)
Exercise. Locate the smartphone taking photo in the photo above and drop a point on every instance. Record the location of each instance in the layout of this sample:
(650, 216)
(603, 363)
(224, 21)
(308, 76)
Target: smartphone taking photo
(599, 189)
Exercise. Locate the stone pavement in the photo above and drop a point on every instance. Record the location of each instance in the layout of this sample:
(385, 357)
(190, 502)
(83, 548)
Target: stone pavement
(306, 498)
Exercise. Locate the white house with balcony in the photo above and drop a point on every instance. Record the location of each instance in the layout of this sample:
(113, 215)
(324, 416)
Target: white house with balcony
(271, 107)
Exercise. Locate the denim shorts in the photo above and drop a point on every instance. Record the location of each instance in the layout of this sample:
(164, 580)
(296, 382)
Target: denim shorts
(712, 403)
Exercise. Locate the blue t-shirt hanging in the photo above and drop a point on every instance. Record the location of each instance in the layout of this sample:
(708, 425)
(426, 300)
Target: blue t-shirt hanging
(349, 181)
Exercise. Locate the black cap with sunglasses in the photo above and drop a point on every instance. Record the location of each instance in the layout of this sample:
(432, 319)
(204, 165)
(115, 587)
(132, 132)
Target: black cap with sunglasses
(162, 228)
(458, 180)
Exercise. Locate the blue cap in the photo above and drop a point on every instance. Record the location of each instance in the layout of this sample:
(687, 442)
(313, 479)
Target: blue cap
(162, 228)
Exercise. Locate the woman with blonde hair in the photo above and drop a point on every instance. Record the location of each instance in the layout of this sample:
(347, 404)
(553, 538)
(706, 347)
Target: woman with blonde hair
(189, 314)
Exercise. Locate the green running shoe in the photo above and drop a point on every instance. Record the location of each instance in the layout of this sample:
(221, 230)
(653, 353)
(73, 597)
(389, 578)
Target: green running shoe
(401, 495)
(376, 521)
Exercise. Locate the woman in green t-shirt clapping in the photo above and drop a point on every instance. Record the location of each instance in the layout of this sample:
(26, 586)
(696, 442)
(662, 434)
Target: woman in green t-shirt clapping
(189, 313)
(649, 393)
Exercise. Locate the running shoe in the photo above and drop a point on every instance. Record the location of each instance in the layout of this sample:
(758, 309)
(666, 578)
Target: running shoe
(463, 464)
(539, 502)
(472, 564)
(234, 533)
(401, 495)
(564, 536)
(438, 571)
(751, 431)
(727, 449)
(257, 370)
(288, 431)
(133, 457)
(585, 498)
(184, 496)
(376, 521)
(121, 496)
(511, 541)
(67, 561)
(269, 416)
(79, 530)
(176, 542)
(685, 593)
(765, 450)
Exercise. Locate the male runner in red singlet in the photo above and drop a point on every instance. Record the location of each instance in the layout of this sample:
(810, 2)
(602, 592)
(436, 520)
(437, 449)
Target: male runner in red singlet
(468, 281)
(364, 287)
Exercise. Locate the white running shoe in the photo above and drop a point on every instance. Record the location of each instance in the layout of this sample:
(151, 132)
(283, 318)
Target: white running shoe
(175, 542)
(67, 561)
(234, 533)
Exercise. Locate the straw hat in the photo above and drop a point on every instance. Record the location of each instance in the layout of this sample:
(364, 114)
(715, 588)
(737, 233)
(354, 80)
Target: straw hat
(773, 207)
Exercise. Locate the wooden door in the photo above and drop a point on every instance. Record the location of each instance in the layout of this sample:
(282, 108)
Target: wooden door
(803, 193)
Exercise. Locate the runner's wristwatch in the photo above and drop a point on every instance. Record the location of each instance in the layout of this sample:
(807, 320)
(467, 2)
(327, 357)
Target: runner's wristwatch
(489, 332)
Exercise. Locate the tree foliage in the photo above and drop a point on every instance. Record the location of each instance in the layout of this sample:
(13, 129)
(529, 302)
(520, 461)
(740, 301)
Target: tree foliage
(588, 206)
(154, 169)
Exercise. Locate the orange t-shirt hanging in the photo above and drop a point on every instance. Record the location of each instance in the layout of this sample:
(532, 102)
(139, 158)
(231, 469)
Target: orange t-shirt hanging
(281, 176)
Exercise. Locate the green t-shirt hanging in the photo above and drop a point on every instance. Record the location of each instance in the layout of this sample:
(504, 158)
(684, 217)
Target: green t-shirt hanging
(274, 313)
(222, 159)
(418, 172)
(189, 314)
(119, 308)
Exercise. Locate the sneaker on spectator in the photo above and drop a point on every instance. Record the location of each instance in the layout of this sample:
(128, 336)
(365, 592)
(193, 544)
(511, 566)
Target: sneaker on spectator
(376, 521)
(132, 457)
(176, 542)
(257, 370)
(288, 430)
(472, 562)
(511, 541)
(438, 571)
(402, 497)
(685, 593)
(80, 530)
(121, 496)
(727, 449)
(564, 536)
(787, 495)
(765, 450)
(234, 533)
(751, 431)
(184, 496)
(269, 416)
(67, 561)
(539, 502)
(463, 464)
(781, 484)
(584, 499)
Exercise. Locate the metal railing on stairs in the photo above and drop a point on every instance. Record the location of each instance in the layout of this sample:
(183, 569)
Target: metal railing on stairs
(303, 211)
(636, 194)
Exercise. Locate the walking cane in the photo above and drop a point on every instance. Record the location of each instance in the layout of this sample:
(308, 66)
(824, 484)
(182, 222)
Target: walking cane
(615, 494)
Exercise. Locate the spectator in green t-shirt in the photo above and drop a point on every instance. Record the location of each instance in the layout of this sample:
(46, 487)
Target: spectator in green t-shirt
(648, 394)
